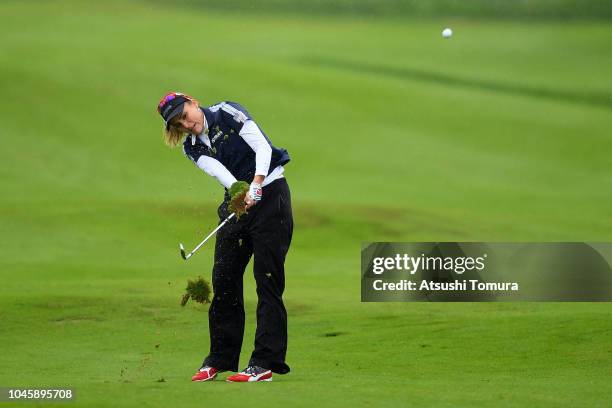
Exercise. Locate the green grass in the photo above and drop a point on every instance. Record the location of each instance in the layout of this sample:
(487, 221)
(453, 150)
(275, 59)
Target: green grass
(524, 9)
(501, 133)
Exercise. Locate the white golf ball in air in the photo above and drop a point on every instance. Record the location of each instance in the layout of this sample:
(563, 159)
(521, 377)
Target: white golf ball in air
(447, 33)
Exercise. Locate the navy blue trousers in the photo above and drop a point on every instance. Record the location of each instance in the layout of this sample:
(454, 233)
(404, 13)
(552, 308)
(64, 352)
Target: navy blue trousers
(264, 233)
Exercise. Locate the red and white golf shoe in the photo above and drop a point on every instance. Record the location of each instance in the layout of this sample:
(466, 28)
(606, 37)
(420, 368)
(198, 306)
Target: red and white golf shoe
(251, 374)
(205, 373)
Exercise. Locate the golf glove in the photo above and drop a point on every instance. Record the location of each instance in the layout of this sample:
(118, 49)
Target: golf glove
(255, 191)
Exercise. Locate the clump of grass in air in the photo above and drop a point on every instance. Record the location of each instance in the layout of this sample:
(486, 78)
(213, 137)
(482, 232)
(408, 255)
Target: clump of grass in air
(198, 290)
(237, 193)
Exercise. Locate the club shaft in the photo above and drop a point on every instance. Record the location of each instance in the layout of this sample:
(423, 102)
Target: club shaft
(210, 235)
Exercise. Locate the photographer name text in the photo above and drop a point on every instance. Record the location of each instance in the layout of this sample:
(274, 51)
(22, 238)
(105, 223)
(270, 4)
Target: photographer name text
(457, 285)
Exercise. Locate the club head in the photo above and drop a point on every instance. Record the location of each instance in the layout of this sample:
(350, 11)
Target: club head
(182, 248)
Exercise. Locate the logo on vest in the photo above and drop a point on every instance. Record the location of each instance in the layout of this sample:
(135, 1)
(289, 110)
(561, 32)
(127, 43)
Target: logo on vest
(216, 136)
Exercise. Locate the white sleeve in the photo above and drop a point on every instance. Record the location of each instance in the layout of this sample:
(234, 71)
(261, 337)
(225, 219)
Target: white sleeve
(263, 152)
(214, 168)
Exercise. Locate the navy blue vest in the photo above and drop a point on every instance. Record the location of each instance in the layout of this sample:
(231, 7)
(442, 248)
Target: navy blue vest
(225, 120)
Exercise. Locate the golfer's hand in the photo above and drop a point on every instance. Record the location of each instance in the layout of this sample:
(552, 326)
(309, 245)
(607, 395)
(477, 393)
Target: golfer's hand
(254, 195)
(248, 202)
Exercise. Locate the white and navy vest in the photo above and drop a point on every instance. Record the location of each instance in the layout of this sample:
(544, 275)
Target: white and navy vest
(225, 120)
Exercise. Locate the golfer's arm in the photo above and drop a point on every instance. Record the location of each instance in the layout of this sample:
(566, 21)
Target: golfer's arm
(216, 169)
(263, 151)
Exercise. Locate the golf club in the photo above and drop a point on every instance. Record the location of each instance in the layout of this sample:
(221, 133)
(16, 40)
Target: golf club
(182, 248)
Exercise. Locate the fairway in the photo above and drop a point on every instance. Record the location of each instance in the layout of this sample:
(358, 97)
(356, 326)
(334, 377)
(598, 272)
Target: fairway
(501, 133)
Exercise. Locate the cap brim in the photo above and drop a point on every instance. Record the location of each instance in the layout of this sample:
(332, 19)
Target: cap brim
(175, 112)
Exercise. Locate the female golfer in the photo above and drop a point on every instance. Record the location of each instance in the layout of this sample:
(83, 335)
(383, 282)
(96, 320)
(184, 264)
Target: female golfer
(225, 142)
